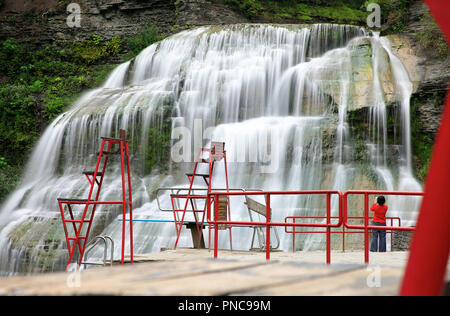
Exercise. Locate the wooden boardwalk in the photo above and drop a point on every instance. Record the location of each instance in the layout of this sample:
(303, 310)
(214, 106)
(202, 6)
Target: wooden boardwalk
(195, 272)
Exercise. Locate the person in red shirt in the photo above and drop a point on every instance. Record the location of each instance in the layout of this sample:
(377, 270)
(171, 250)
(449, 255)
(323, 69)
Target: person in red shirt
(379, 219)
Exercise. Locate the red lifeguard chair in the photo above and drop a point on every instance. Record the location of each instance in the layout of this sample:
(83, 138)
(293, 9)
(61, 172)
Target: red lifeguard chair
(77, 238)
(215, 154)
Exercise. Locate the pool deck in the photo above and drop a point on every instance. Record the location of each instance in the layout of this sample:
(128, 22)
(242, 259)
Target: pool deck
(194, 272)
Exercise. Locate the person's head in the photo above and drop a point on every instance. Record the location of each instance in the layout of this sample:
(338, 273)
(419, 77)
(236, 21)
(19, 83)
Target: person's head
(381, 200)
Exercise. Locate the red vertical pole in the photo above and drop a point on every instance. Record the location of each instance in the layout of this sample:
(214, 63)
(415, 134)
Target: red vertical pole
(392, 224)
(210, 169)
(130, 198)
(228, 198)
(344, 206)
(293, 236)
(208, 219)
(124, 204)
(366, 230)
(216, 226)
(268, 220)
(328, 229)
(430, 245)
(343, 238)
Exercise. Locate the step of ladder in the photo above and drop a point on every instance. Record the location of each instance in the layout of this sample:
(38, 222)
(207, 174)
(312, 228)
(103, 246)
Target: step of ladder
(91, 173)
(77, 220)
(72, 200)
(76, 238)
(205, 175)
(187, 196)
(109, 153)
(112, 139)
(195, 211)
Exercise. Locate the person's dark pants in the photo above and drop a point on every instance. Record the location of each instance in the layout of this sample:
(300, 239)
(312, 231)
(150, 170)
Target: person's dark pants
(378, 238)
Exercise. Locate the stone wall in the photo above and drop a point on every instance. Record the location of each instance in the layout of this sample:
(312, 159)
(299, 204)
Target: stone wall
(429, 73)
(107, 18)
(401, 240)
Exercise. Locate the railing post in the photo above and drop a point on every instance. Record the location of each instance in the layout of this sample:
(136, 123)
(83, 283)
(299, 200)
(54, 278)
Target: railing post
(344, 215)
(366, 230)
(208, 218)
(216, 226)
(268, 219)
(343, 238)
(328, 229)
(293, 235)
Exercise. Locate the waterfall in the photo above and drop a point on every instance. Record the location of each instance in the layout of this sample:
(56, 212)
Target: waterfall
(278, 96)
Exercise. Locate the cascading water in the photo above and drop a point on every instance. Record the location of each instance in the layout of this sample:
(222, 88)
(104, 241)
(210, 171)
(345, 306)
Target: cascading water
(279, 96)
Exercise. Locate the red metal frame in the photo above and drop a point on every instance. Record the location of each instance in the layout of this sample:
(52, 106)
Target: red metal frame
(366, 225)
(212, 197)
(124, 157)
(342, 218)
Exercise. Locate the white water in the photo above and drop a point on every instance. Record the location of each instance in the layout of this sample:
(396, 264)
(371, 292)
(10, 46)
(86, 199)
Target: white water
(278, 96)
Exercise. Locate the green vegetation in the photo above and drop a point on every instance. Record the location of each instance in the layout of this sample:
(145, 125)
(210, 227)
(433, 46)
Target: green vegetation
(422, 143)
(9, 177)
(431, 38)
(145, 38)
(393, 13)
(345, 11)
(38, 83)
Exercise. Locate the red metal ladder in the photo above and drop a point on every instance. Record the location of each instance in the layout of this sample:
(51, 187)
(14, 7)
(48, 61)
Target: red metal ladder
(78, 239)
(215, 153)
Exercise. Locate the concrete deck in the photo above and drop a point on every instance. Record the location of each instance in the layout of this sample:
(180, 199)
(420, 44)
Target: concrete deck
(195, 272)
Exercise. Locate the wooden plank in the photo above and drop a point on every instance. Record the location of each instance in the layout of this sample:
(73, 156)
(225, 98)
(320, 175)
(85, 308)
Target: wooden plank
(256, 206)
(362, 281)
(194, 272)
(241, 280)
(118, 280)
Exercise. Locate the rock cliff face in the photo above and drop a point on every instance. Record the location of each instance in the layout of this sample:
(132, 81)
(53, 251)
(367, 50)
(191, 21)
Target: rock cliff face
(46, 22)
(429, 73)
(425, 54)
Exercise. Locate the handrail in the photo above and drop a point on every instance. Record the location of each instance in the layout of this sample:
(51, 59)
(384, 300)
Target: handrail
(342, 218)
(94, 242)
(178, 190)
(366, 225)
(213, 196)
(343, 231)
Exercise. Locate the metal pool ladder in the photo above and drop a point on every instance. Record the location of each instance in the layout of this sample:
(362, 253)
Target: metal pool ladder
(97, 240)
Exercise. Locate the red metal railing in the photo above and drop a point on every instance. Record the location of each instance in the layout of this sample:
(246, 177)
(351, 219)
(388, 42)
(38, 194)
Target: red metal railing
(343, 231)
(213, 196)
(342, 219)
(366, 227)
